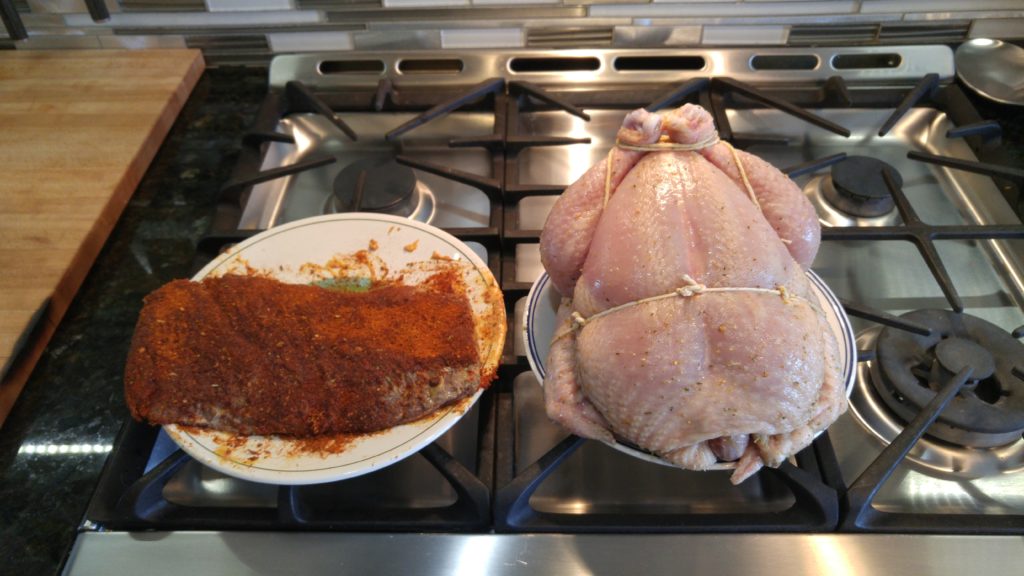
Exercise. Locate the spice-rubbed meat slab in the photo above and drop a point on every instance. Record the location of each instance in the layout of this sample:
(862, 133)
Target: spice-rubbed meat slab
(252, 355)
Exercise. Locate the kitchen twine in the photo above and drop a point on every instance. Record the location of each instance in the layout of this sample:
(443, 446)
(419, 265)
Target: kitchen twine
(662, 145)
(690, 286)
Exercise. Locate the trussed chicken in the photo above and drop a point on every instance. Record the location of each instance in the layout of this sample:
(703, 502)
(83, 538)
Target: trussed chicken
(698, 375)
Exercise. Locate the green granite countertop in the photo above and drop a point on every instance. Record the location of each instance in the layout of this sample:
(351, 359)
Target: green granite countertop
(55, 441)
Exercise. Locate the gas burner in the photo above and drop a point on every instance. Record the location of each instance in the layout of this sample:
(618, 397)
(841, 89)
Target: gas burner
(854, 193)
(980, 432)
(380, 184)
(857, 187)
(990, 408)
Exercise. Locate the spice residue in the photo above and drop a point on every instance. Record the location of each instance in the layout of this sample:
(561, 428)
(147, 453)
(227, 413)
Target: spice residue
(361, 264)
(239, 266)
(324, 445)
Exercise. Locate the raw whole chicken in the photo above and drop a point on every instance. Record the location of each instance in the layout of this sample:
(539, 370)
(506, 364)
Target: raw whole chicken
(688, 326)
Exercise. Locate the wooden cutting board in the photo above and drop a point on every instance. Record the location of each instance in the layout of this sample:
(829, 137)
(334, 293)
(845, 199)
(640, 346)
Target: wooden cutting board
(77, 131)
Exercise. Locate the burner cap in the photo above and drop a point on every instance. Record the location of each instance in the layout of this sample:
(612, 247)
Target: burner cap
(378, 184)
(989, 410)
(955, 354)
(858, 187)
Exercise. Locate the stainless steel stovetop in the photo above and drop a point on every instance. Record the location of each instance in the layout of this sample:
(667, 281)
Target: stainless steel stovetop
(540, 483)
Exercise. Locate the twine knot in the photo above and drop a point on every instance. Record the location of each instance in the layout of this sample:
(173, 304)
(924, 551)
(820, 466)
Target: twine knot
(691, 287)
(578, 321)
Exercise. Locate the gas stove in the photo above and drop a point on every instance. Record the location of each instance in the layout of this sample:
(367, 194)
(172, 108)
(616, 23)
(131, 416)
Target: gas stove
(919, 243)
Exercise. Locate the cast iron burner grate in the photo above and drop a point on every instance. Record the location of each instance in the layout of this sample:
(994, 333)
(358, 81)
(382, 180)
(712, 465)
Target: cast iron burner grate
(131, 496)
(988, 411)
(513, 509)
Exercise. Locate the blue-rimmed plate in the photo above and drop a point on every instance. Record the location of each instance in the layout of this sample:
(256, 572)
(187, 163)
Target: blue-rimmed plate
(304, 252)
(539, 326)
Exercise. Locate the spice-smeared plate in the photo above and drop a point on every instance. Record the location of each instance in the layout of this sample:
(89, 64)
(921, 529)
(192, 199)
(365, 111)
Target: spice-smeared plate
(307, 251)
(539, 327)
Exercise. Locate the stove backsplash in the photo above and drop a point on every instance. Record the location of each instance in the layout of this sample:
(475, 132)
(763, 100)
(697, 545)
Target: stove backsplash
(250, 32)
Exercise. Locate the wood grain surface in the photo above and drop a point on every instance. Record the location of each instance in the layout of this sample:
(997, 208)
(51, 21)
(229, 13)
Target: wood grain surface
(78, 128)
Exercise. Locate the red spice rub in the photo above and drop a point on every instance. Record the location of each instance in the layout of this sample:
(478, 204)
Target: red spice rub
(253, 355)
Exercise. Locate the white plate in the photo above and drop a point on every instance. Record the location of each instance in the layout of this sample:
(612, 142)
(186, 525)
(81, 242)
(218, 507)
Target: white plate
(539, 326)
(282, 251)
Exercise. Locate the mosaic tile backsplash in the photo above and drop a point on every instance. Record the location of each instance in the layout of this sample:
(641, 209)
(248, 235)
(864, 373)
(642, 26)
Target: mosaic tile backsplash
(251, 31)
